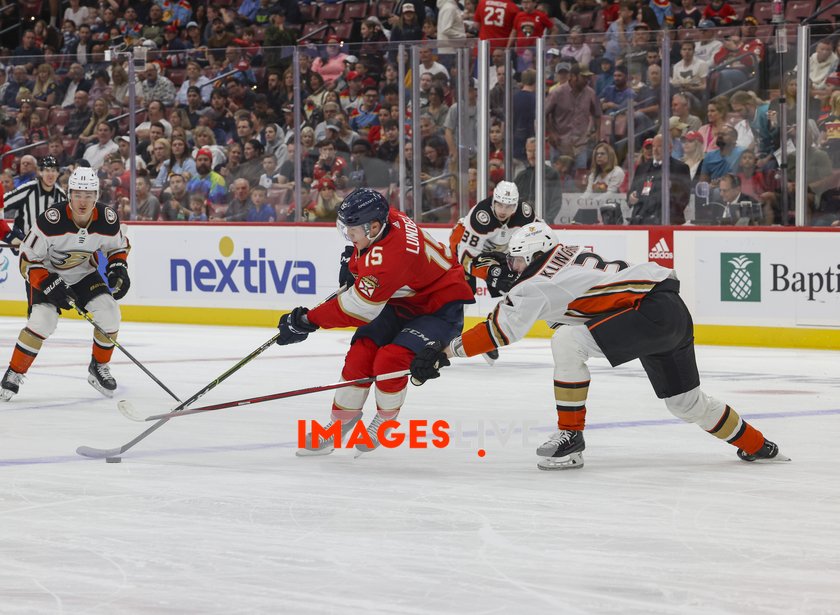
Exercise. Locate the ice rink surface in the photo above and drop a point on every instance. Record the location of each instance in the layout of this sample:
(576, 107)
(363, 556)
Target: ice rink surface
(214, 514)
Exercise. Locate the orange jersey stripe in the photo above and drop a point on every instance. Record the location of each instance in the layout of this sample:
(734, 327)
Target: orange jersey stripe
(604, 304)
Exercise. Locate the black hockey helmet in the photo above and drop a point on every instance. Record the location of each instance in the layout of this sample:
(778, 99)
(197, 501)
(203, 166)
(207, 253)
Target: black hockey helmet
(360, 208)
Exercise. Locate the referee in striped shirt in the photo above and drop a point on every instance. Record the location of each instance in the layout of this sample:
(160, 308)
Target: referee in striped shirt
(31, 199)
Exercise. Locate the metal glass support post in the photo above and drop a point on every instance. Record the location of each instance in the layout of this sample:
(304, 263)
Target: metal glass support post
(416, 140)
(401, 158)
(461, 151)
(298, 152)
(539, 170)
(803, 149)
(132, 130)
(508, 116)
(666, 131)
(482, 115)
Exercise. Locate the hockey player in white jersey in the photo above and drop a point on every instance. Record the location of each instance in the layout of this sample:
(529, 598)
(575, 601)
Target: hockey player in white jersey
(606, 309)
(480, 238)
(58, 259)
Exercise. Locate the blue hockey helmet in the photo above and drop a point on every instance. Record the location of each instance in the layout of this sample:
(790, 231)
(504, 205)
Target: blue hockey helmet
(360, 208)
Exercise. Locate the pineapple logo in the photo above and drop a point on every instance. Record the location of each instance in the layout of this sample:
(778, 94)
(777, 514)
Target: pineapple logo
(740, 277)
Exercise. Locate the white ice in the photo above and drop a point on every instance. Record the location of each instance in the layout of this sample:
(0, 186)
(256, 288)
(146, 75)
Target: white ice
(214, 514)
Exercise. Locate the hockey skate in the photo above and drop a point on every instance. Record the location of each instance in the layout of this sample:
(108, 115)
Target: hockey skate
(492, 356)
(562, 451)
(325, 446)
(769, 452)
(373, 434)
(10, 384)
(100, 378)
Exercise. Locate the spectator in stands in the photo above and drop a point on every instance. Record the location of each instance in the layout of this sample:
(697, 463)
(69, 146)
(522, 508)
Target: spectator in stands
(645, 194)
(240, 202)
(371, 49)
(605, 174)
(618, 34)
(437, 109)
(208, 183)
(27, 53)
(219, 117)
(523, 112)
(529, 25)
(450, 126)
(762, 120)
(195, 39)
(330, 66)
(251, 167)
(80, 50)
(233, 160)
(175, 200)
(98, 151)
(14, 137)
(616, 98)
(148, 205)
(244, 128)
(680, 108)
(28, 170)
(723, 160)
(352, 96)
(194, 78)
(689, 73)
(260, 210)
(271, 172)
(331, 111)
(161, 153)
(720, 13)
(573, 114)
(155, 111)
(388, 148)
(753, 181)
(20, 81)
(74, 81)
(428, 64)
(708, 45)
(408, 26)
(124, 144)
(576, 48)
(101, 88)
(179, 162)
(76, 13)
(274, 142)
(328, 164)
(156, 86)
(693, 152)
(526, 183)
(198, 208)
(688, 10)
(153, 30)
(450, 21)
(317, 97)
(822, 64)
(325, 205)
(368, 112)
(55, 148)
(733, 62)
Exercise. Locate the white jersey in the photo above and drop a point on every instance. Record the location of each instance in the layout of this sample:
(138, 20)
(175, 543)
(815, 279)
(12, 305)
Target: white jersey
(480, 232)
(570, 287)
(56, 245)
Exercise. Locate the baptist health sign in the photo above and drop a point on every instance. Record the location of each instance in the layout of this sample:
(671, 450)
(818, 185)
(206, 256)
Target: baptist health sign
(766, 278)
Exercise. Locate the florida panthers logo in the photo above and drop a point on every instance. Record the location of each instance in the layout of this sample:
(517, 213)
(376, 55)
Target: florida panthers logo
(368, 285)
(69, 260)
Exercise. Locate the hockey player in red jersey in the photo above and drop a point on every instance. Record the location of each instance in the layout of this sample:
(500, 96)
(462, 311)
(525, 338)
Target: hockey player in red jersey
(495, 21)
(58, 260)
(408, 292)
(600, 309)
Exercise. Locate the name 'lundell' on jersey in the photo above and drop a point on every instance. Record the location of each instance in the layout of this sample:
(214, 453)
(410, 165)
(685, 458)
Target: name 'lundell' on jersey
(406, 269)
(569, 287)
(55, 243)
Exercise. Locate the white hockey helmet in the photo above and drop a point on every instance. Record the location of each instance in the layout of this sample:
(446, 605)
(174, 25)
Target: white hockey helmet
(533, 238)
(84, 178)
(506, 193)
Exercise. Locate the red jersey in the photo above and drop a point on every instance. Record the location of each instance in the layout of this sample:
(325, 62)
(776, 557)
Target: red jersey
(406, 269)
(529, 27)
(495, 21)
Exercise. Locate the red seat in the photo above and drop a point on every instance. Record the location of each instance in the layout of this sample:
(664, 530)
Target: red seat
(40, 150)
(307, 12)
(763, 12)
(43, 114)
(330, 12)
(354, 10)
(797, 10)
(584, 20)
(177, 76)
(343, 30)
(311, 27)
(69, 145)
(58, 116)
(385, 8)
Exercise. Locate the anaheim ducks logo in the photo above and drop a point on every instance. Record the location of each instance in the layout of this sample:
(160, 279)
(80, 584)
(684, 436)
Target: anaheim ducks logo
(110, 215)
(526, 209)
(68, 260)
(482, 217)
(368, 285)
(52, 215)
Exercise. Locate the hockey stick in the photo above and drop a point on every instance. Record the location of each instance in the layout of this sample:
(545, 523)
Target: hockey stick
(84, 314)
(101, 453)
(128, 409)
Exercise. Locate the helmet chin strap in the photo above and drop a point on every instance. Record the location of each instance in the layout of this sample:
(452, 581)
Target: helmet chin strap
(378, 235)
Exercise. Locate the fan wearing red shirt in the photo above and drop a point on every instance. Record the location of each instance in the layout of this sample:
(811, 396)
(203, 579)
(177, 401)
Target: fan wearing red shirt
(495, 21)
(529, 25)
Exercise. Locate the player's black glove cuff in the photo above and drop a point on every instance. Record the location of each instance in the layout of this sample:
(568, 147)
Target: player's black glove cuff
(57, 292)
(117, 274)
(294, 327)
(345, 278)
(14, 238)
(427, 363)
(500, 279)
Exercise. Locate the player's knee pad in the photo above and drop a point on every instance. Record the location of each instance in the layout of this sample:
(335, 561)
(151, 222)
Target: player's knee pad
(392, 358)
(570, 355)
(390, 401)
(105, 312)
(42, 320)
(358, 362)
(695, 406)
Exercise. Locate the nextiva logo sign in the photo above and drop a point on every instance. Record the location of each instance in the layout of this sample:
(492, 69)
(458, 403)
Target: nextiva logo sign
(740, 276)
(243, 272)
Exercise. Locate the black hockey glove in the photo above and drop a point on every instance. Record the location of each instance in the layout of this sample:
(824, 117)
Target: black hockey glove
(294, 327)
(58, 292)
(117, 274)
(14, 238)
(500, 279)
(427, 363)
(345, 278)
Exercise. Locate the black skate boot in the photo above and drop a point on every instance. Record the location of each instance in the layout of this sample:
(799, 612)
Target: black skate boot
(100, 378)
(325, 446)
(373, 434)
(492, 356)
(562, 451)
(768, 452)
(10, 384)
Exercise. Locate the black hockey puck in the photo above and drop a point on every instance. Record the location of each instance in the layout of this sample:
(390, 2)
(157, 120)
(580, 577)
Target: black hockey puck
(113, 459)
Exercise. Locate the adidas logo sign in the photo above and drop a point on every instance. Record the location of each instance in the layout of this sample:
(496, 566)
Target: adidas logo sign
(661, 250)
